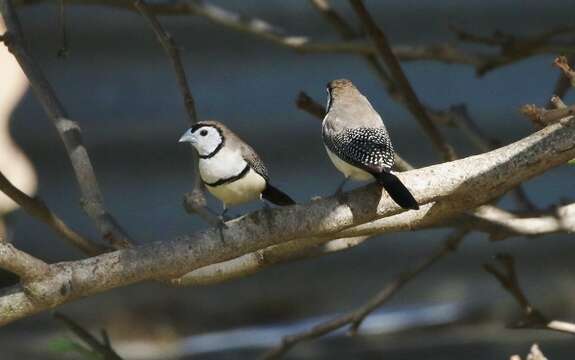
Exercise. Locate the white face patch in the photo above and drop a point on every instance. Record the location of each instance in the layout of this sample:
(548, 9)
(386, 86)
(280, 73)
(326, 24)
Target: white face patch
(205, 139)
(328, 100)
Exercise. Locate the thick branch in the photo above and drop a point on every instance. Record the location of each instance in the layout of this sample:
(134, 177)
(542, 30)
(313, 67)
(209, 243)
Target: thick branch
(68, 130)
(38, 209)
(466, 183)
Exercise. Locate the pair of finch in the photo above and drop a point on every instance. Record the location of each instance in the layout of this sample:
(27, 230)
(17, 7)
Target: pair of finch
(354, 136)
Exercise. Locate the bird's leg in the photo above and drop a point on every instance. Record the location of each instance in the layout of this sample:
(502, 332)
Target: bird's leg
(341, 198)
(222, 223)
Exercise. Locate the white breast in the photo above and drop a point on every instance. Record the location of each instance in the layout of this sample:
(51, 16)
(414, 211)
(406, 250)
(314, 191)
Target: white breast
(348, 170)
(226, 163)
(246, 189)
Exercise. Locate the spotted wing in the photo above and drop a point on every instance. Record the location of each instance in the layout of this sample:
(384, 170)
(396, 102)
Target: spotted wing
(369, 149)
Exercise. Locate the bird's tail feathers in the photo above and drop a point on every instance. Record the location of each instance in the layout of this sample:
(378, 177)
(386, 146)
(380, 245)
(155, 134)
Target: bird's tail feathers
(276, 196)
(396, 190)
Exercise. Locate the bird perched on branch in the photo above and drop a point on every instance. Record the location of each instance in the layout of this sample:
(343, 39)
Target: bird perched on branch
(231, 170)
(358, 143)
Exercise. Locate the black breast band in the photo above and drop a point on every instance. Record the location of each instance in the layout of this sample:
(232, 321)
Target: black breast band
(231, 178)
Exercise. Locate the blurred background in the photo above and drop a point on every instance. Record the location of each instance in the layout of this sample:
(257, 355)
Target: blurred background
(118, 84)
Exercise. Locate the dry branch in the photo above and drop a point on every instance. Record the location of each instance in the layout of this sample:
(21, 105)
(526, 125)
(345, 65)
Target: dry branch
(445, 52)
(414, 105)
(355, 318)
(462, 184)
(38, 209)
(195, 201)
(532, 318)
(101, 347)
(543, 117)
(563, 63)
(69, 131)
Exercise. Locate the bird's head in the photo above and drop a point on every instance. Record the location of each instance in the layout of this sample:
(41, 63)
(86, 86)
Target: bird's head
(206, 137)
(339, 88)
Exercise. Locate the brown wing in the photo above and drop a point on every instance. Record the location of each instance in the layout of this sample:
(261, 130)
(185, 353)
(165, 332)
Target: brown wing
(252, 158)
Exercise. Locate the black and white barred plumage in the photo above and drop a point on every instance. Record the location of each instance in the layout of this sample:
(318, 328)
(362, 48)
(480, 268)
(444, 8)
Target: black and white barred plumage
(367, 148)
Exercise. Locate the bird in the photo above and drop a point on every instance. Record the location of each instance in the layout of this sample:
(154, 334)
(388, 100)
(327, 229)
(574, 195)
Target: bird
(229, 168)
(357, 141)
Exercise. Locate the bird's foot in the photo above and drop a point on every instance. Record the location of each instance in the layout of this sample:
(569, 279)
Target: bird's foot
(339, 194)
(221, 226)
(267, 210)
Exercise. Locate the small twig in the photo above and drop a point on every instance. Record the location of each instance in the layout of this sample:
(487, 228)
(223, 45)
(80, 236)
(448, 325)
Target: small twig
(346, 32)
(412, 101)
(39, 210)
(26, 266)
(532, 318)
(309, 105)
(356, 317)
(563, 83)
(64, 47)
(563, 64)
(195, 201)
(542, 117)
(92, 200)
(101, 347)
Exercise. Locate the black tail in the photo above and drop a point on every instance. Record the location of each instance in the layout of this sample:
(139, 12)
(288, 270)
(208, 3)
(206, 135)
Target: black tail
(396, 190)
(275, 196)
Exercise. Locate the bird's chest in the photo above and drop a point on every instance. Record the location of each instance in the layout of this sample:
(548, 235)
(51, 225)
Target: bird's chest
(224, 164)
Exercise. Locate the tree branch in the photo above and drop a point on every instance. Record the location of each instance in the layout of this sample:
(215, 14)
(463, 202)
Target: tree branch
(532, 318)
(356, 317)
(39, 210)
(69, 131)
(194, 202)
(27, 267)
(412, 101)
(463, 185)
(101, 347)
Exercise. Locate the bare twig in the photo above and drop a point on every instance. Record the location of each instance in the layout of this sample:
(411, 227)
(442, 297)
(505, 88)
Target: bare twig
(543, 117)
(563, 83)
(563, 63)
(101, 347)
(346, 32)
(412, 101)
(38, 209)
(92, 200)
(27, 267)
(195, 201)
(64, 47)
(446, 53)
(356, 317)
(532, 318)
(514, 48)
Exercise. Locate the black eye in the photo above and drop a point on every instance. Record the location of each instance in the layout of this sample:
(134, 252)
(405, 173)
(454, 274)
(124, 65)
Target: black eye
(204, 132)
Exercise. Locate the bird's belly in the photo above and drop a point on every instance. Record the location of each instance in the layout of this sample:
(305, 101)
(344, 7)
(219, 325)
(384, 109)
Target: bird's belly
(348, 170)
(240, 191)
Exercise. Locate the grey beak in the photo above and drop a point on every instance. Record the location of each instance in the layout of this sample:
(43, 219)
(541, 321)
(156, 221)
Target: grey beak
(187, 137)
